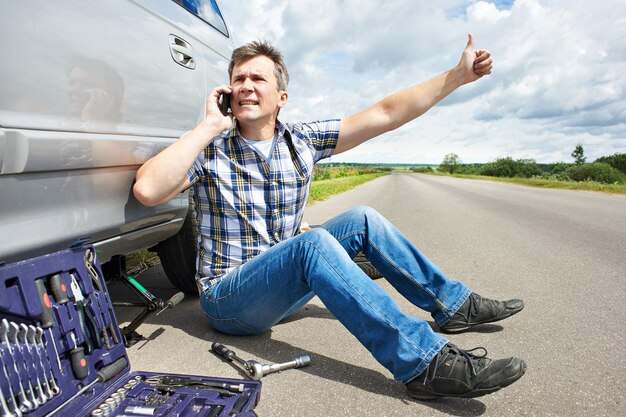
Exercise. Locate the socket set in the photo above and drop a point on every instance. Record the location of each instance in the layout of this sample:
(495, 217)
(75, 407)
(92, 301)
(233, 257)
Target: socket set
(63, 354)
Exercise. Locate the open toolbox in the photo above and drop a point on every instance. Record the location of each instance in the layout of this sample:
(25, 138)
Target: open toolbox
(63, 354)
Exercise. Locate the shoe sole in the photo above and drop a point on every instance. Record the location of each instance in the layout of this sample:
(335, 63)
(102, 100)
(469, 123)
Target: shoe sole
(429, 396)
(461, 328)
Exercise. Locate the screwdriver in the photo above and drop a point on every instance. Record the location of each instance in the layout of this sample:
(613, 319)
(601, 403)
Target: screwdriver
(104, 374)
(78, 360)
(59, 290)
(47, 320)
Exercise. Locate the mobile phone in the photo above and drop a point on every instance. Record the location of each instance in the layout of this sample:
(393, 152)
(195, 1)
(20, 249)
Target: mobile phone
(225, 104)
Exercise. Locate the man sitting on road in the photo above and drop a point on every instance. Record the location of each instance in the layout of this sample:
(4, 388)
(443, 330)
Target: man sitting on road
(252, 174)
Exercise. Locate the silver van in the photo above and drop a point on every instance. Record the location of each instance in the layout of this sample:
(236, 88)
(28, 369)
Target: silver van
(89, 90)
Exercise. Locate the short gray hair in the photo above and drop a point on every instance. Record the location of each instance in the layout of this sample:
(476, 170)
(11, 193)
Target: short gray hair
(261, 48)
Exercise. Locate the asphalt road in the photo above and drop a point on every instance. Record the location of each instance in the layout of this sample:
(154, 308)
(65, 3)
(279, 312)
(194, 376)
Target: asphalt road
(563, 252)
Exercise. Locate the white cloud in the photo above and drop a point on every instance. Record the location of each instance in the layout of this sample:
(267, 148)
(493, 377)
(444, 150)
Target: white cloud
(265, 17)
(486, 12)
(558, 75)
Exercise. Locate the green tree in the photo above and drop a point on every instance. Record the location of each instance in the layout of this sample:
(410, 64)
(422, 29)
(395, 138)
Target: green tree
(617, 161)
(450, 164)
(579, 154)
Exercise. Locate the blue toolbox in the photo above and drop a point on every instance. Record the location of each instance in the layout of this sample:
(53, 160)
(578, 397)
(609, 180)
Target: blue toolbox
(63, 353)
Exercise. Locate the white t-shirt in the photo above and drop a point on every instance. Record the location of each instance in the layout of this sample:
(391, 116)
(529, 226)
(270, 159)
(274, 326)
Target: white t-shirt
(262, 147)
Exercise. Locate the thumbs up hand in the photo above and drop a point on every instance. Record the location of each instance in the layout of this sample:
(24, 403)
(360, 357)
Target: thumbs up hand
(474, 63)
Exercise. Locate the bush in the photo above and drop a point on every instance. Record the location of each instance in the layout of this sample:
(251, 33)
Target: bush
(527, 168)
(558, 168)
(423, 170)
(556, 177)
(598, 171)
(321, 174)
(617, 161)
(470, 169)
(507, 167)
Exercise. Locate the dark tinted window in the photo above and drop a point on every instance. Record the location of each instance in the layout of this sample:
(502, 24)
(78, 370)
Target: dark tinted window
(206, 10)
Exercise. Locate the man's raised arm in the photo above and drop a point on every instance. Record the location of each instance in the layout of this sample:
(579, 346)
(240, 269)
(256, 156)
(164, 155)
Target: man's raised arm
(406, 105)
(163, 176)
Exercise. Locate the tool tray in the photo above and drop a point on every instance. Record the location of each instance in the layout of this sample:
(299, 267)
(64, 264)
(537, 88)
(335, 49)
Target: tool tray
(63, 354)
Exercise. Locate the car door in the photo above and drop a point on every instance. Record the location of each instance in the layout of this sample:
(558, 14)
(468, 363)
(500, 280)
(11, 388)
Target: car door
(89, 90)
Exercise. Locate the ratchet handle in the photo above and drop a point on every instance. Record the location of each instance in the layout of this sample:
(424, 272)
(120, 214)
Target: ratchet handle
(112, 370)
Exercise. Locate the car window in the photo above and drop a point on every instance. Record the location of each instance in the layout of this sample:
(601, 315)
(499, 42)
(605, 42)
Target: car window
(206, 10)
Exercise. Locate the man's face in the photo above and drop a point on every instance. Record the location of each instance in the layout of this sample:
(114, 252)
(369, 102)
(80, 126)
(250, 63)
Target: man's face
(80, 82)
(255, 96)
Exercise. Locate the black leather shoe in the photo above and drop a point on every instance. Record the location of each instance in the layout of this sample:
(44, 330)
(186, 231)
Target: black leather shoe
(479, 310)
(459, 373)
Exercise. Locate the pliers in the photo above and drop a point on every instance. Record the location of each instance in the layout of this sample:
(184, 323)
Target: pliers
(86, 318)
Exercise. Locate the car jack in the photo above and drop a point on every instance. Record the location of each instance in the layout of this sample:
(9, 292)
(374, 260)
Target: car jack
(150, 305)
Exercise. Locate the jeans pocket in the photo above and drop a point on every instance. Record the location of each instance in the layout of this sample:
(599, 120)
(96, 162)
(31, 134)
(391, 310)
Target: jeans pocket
(229, 325)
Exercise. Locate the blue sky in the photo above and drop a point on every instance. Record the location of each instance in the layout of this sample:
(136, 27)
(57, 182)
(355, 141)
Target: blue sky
(558, 77)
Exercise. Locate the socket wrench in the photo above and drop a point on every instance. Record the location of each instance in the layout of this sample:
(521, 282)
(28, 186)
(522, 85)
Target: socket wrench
(256, 370)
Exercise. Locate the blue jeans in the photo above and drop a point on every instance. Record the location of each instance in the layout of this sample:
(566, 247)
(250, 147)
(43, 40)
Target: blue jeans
(276, 283)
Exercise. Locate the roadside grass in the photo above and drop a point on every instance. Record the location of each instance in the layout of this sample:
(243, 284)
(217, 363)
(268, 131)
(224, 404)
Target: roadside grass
(546, 183)
(323, 189)
(137, 262)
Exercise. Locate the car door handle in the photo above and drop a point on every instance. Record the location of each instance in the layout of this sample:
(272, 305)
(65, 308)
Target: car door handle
(182, 52)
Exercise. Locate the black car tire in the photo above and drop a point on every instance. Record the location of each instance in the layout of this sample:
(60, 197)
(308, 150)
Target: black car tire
(178, 255)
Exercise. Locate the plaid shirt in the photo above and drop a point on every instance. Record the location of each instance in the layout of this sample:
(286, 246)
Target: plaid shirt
(245, 204)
